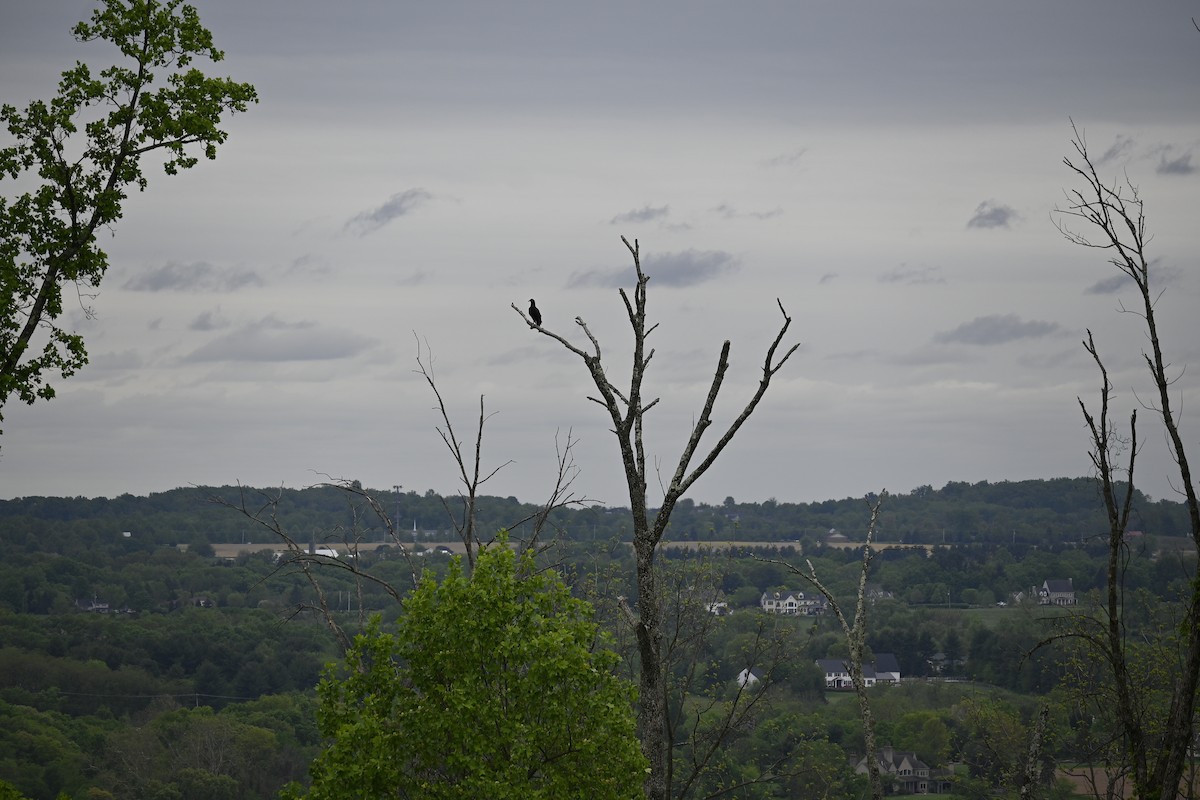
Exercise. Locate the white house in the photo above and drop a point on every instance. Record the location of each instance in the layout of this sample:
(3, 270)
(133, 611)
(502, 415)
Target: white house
(837, 674)
(885, 669)
(790, 603)
(747, 678)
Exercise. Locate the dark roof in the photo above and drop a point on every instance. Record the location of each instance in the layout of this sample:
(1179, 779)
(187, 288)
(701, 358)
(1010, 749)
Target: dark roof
(886, 662)
(1059, 585)
(894, 758)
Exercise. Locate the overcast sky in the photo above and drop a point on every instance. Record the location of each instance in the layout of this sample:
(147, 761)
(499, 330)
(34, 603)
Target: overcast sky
(887, 170)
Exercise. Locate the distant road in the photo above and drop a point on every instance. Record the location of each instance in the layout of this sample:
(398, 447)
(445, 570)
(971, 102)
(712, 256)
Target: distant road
(231, 550)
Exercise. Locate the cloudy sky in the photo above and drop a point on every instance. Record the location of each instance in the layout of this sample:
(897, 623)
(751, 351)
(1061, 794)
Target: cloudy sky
(887, 170)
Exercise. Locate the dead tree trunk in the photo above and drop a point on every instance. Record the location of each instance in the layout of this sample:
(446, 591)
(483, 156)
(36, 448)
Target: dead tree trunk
(627, 409)
(1114, 214)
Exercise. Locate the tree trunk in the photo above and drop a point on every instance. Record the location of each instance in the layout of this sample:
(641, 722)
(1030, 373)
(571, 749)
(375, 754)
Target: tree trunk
(652, 689)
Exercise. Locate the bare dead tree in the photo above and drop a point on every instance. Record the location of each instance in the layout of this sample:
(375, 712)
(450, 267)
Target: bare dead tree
(472, 477)
(369, 513)
(263, 509)
(1113, 215)
(469, 467)
(856, 637)
(627, 409)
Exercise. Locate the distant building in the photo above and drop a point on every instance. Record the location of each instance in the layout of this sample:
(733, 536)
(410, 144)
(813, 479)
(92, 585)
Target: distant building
(94, 606)
(1056, 592)
(718, 608)
(909, 774)
(791, 603)
(747, 677)
(877, 592)
(884, 669)
(887, 668)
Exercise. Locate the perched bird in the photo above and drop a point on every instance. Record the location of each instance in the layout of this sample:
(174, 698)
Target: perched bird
(534, 314)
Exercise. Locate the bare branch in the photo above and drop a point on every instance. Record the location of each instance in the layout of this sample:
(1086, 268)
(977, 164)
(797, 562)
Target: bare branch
(1153, 755)
(468, 468)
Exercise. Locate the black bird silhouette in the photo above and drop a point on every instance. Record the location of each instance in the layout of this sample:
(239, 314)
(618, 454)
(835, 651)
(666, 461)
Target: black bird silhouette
(534, 314)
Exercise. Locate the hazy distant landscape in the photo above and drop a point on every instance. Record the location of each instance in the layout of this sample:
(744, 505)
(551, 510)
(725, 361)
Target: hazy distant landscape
(121, 647)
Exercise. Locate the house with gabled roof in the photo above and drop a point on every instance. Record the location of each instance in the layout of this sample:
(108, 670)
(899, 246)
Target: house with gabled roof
(747, 677)
(884, 669)
(1056, 592)
(909, 774)
(887, 668)
(789, 602)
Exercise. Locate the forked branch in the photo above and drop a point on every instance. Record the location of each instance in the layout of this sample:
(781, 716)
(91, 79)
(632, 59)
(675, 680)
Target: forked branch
(469, 467)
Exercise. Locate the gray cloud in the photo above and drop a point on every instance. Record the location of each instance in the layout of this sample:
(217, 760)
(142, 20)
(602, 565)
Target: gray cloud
(686, 268)
(1160, 274)
(828, 277)
(398, 205)
(912, 275)
(1179, 165)
(990, 214)
(1121, 148)
(1109, 285)
(198, 276)
(645, 214)
(415, 278)
(995, 329)
(307, 264)
(208, 321)
(729, 212)
(273, 340)
(785, 159)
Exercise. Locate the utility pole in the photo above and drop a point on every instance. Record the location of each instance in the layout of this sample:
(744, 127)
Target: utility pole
(396, 523)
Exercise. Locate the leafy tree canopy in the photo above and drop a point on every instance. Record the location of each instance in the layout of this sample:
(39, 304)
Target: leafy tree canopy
(82, 150)
(492, 686)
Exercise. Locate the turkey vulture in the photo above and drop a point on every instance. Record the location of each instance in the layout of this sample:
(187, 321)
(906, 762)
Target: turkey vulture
(534, 314)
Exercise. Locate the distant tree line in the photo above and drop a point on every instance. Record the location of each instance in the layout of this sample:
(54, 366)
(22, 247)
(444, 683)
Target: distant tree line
(1016, 513)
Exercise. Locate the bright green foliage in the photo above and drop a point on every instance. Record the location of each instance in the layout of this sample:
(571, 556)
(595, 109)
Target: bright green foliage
(7, 792)
(491, 687)
(82, 150)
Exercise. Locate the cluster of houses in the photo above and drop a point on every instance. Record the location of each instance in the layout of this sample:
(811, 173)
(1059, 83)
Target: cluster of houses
(789, 602)
(904, 772)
